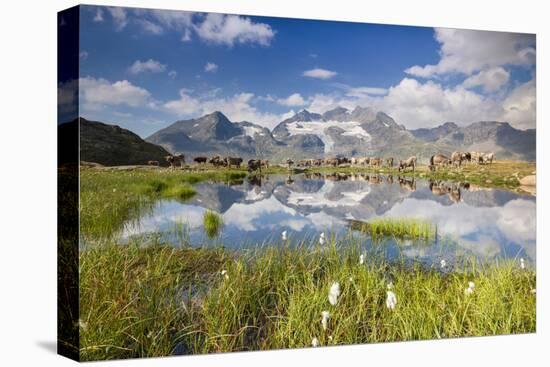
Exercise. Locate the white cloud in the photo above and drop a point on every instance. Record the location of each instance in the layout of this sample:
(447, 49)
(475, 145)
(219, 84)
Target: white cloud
(467, 51)
(210, 67)
(98, 17)
(295, 99)
(83, 55)
(150, 65)
(428, 104)
(173, 74)
(150, 27)
(490, 80)
(360, 92)
(96, 93)
(238, 107)
(319, 73)
(230, 29)
(520, 107)
(120, 18)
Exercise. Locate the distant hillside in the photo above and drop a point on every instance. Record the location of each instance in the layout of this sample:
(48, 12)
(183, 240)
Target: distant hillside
(112, 145)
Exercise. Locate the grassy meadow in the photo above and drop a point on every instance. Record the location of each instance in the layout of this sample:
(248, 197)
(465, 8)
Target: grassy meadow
(151, 300)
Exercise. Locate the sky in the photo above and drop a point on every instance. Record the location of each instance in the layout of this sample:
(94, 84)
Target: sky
(143, 69)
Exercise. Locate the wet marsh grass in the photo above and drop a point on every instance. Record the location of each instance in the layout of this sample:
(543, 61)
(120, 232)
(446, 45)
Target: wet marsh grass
(145, 302)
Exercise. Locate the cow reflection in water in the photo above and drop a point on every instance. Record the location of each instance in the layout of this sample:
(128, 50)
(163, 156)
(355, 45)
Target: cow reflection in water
(407, 183)
(289, 180)
(453, 190)
(257, 179)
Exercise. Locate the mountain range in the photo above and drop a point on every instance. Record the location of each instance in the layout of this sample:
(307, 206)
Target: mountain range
(338, 132)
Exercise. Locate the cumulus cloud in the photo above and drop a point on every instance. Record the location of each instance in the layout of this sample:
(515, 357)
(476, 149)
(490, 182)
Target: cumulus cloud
(210, 67)
(295, 99)
(173, 74)
(150, 65)
(520, 107)
(239, 107)
(96, 93)
(418, 104)
(83, 55)
(360, 92)
(120, 17)
(319, 73)
(467, 51)
(490, 80)
(230, 29)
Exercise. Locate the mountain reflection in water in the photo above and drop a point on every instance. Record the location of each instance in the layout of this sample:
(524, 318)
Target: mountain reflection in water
(487, 223)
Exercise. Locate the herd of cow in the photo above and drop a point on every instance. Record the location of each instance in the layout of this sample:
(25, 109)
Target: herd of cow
(436, 161)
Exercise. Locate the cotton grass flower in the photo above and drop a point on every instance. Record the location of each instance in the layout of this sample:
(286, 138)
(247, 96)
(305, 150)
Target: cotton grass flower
(283, 236)
(361, 259)
(522, 263)
(314, 342)
(324, 321)
(391, 300)
(443, 264)
(470, 288)
(322, 238)
(390, 286)
(334, 293)
(224, 274)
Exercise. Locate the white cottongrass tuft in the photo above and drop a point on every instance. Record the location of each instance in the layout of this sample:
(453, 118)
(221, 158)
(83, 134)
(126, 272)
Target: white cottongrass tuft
(390, 286)
(224, 274)
(322, 238)
(283, 236)
(522, 263)
(330, 338)
(334, 293)
(314, 342)
(534, 291)
(443, 264)
(361, 259)
(391, 300)
(324, 321)
(470, 288)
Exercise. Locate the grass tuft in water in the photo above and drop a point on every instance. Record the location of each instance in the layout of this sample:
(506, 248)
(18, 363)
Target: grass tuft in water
(402, 228)
(213, 223)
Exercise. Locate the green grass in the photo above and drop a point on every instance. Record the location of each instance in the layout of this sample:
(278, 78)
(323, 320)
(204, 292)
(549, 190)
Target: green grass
(212, 223)
(402, 228)
(145, 302)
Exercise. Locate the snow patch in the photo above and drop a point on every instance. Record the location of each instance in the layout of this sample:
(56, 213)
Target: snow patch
(319, 128)
(252, 130)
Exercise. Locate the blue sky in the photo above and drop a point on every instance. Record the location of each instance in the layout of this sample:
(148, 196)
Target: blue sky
(144, 69)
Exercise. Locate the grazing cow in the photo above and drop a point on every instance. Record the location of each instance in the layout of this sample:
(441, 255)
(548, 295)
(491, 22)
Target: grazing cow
(331, 162)
(475, 157)
(375, 162)
(304, 163)
(363, 161)
(264, 163)
(217, 161)
(201, 160)
(409, 162)
(254, 165)
(353, 161)
(438, 160)
(466, 156)
(289, 162)
(456, 159)
(233, 161)
(342, 160)
(487, 158)
(389, 162)
(317, 162)
(174, 160)
(153, 163)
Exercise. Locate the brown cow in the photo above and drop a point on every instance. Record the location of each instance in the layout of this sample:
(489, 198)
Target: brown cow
(175, 159)
(409, 162)
(375, 162)
(254, 164)
(264, 163)
(153, 163)
(456, 159)
(233, 161)
(217, 161)
(289, 162)
(201, 160)
(438, 160)
(331, 162)
(389, 162)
